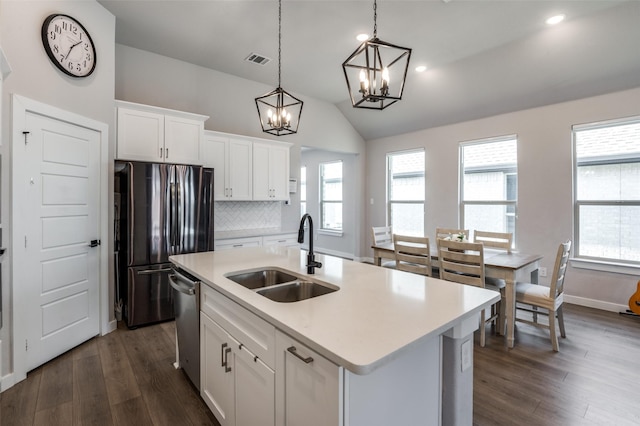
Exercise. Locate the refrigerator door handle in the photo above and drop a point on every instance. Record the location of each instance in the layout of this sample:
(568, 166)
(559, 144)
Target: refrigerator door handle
(173, 216)
(154, 271)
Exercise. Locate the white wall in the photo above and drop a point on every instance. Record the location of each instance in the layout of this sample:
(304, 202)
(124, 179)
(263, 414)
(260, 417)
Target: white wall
(545, 211)
(229, 101)
(35, 77)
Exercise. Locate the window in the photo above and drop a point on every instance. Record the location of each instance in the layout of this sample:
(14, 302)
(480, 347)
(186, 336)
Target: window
(489, 184)
(607, 191)
(331, 196)
(303, 190)
(405, 192)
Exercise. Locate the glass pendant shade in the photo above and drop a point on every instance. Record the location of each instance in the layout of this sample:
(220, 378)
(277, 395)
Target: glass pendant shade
(279, 112)
(376, 72)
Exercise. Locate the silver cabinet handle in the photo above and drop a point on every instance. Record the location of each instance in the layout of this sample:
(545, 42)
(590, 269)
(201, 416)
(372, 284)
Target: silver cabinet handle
(307, 360)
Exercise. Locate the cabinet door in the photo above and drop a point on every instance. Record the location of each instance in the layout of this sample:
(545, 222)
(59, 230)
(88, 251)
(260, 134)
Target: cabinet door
(217, 383)
(240, 166)
(140, 135)
(261, 167)
(255, 390)
(309, 386)
(182, 139)
(214, 154)
(279, 172)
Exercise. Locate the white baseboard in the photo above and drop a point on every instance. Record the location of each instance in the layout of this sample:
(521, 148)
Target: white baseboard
(111, 326)
(597, 304)
(7, 381)
(334, 253)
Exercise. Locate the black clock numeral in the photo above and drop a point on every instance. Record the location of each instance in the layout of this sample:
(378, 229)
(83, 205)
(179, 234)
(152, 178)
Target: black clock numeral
(78, 68)
(70, 66)
(56, 49)
(61, 58)
(88, 57)
(52, 35)
(57, 29)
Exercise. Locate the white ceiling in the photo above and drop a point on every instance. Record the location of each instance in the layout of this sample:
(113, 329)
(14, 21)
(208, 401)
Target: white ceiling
(483, 57)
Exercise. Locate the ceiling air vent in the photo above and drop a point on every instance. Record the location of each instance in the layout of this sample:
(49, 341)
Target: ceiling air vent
(257, 59)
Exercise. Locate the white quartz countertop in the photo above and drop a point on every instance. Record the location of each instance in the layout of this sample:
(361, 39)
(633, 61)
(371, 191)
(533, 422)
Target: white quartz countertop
(375, 315)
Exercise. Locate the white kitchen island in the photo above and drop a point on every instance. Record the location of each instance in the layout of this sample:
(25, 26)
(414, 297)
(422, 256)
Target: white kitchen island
(387, 348)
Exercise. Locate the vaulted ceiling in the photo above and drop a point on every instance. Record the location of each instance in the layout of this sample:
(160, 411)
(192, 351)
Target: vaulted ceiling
(483, 57)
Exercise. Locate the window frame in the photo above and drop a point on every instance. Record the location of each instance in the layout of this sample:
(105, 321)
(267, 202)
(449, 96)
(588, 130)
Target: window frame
(506, 170)
(322, 202)
(389, 202)
(594, 262)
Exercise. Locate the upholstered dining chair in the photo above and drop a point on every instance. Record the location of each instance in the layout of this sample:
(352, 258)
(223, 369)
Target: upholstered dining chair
(548, 298)
(463, 262)
(413, 254)
(383, 235)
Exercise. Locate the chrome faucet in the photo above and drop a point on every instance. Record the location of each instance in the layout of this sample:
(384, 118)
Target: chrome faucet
(311, 261)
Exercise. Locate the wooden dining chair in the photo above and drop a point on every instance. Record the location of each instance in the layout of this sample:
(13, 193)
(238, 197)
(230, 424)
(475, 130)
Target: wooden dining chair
(413, 254)
(383, 235)
(548, 298)
(498, 241)
(463, 262)
(494, 240)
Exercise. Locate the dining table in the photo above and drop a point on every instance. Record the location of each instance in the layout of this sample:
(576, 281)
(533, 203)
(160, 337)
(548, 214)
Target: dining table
(509, 266)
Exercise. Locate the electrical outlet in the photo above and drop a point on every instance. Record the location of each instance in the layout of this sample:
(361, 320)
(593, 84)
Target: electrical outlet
(542, 271)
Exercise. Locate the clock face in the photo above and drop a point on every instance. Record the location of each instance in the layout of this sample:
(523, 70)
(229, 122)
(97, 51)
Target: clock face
(68, 45)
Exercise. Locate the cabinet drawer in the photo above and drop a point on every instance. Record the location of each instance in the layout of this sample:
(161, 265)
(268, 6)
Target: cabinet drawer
(235, 243)
(250, 330)
(280, 240)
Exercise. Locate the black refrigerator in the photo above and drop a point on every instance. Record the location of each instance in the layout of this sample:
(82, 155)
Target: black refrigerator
(161, 210)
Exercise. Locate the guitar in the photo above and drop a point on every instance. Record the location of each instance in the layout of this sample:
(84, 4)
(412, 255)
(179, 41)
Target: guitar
(634, 301)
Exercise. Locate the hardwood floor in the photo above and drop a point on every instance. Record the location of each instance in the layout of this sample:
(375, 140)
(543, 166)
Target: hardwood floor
(127, 378)
(124, 378)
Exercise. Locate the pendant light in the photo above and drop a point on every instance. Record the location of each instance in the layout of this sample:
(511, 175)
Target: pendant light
(279, 111)
(376, 71)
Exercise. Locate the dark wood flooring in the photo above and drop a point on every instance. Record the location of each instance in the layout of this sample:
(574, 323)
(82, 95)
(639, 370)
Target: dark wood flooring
(127, 378)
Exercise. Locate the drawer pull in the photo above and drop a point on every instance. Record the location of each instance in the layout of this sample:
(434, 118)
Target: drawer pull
(224, 345)
(226, 360)
(306, 360)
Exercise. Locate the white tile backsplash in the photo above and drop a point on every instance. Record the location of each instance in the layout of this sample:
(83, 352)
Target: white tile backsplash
(238, 215)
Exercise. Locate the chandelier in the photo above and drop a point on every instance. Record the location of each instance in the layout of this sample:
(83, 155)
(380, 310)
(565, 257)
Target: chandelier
(279, 111)
(376, 71)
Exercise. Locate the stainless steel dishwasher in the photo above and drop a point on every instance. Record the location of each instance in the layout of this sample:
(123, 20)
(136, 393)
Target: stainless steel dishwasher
(186, 302)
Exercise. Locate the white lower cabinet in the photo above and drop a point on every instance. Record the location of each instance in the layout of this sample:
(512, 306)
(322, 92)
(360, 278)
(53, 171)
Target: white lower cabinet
(308, 386)
(236, 385)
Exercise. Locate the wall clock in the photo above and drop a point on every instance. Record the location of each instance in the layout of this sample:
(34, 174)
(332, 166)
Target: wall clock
(68, 45)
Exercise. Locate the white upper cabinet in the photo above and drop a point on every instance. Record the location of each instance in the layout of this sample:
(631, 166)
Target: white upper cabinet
(246, 168)
(147, 133)
(270, 171)
(232, 160)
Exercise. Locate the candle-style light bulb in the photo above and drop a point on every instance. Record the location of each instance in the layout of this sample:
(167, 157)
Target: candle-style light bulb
(385, 81)
(364, 83)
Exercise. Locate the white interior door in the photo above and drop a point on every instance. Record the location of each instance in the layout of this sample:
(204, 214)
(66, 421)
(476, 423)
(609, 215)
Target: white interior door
(57, 179)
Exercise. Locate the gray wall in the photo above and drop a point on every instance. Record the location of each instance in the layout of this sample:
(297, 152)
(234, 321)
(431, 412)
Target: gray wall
(346, 245)
(545, 211)
(35, 77)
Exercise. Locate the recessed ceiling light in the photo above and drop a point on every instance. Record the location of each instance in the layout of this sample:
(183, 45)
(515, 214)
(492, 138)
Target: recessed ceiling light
(421, 68)
(362, 37)
(555, 20)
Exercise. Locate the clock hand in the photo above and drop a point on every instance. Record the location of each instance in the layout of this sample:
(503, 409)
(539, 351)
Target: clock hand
(71, 48)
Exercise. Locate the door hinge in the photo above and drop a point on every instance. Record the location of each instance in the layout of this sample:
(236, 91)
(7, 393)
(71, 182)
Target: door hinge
(25, 241)
(26, 345)
(25, 133)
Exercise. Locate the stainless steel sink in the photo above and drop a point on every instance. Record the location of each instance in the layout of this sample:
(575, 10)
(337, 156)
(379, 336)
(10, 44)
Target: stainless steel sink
(296, 291)
(263, 278)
